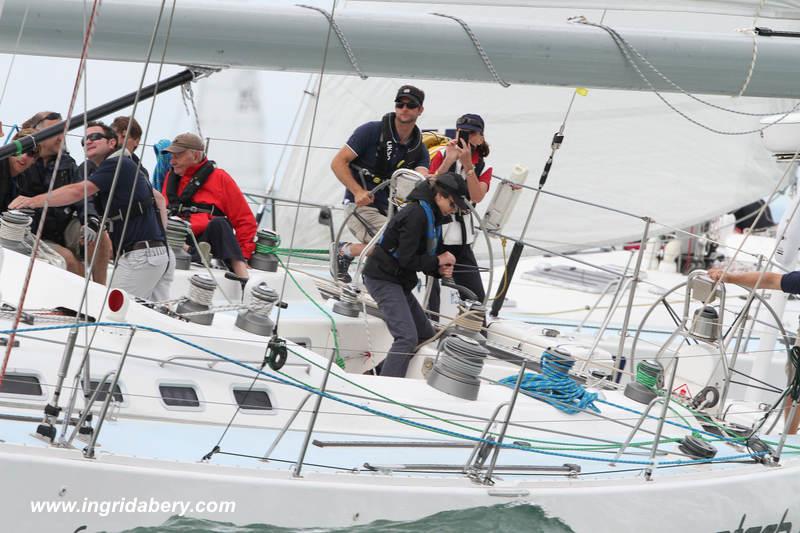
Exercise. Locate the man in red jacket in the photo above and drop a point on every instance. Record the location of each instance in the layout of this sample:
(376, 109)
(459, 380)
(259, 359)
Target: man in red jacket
(209, 197)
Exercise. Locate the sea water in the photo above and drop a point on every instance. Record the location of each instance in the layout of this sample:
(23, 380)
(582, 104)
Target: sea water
(508, 517)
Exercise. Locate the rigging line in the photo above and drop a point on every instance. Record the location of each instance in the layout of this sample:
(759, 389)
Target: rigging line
(307, 155)
(118, 167)
(290, 134)
(625, 45)
(342, 39)
(81, 66)
(626, 48)
(300, 195)
(478, 47)
(14, 54)
(752, 33)
(147, 129)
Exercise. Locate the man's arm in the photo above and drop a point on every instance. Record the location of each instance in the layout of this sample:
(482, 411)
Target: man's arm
(66, 195)
(341, 168)
(769, 280)
(161, 203)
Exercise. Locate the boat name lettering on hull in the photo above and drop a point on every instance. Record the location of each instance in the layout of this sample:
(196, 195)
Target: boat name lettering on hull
(781, 527)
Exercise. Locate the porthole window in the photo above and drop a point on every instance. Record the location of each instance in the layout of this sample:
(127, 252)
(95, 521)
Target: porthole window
(101, 396)
(252, 400)
(179, 395)
(24, 384)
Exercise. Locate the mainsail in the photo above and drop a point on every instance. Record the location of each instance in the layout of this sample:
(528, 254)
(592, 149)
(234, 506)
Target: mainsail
(624, 150)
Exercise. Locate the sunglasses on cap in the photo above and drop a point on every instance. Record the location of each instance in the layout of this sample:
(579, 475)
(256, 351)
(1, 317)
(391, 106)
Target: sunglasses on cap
(49, 116)
(410, 105)
(93, 137)
(469, 121)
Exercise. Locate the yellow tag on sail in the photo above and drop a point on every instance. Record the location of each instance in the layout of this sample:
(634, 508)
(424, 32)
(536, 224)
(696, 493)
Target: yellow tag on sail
(583, 91)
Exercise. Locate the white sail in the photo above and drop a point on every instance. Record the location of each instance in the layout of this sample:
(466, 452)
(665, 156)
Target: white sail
(230, 110)
(623, 150)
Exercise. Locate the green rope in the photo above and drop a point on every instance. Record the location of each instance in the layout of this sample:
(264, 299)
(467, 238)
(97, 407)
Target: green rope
(302, 253)
(339, 360)
(18, 144)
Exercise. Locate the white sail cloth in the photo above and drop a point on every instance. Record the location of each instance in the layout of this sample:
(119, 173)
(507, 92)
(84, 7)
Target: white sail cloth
(626, 150)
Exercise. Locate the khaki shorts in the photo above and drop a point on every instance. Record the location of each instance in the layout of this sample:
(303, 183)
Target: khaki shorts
(72, 237)
(374, 218)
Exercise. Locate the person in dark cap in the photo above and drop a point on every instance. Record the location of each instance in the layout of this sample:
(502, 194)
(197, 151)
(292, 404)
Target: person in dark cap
(412, 243)
(464, 155)
(211, 200)
(372, 153)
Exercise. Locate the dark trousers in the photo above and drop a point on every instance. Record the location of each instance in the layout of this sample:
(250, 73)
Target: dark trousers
(224, 246)
(465, 273)
(406, 322)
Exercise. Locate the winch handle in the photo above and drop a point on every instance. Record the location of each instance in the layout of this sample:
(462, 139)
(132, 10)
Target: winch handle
(463, 292)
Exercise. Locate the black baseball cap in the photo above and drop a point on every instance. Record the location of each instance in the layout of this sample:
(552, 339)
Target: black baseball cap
(454, 185)
(470, 122)
(411, 92)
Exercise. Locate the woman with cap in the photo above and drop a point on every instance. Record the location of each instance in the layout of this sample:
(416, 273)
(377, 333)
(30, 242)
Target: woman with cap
(412, 243)
(464, 155)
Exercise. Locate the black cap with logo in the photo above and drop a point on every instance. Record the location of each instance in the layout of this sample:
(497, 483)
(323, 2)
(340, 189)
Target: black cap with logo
(411, 92)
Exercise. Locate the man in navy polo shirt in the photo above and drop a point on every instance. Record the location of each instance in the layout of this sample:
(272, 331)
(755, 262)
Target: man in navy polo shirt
(372, 153)
(145, 268)
(788, 283)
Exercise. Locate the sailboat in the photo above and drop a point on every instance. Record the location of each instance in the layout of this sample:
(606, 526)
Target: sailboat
(217, 422)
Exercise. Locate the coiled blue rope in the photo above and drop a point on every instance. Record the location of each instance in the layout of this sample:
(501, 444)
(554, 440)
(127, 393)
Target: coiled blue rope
(555, 387)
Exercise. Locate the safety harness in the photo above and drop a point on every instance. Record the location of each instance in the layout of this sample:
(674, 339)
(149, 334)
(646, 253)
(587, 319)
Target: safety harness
(433, 233)
(387, 147)
(182, 205)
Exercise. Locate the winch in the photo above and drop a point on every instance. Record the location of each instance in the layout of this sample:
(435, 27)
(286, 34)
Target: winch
(458, 366)
(257, 320)
(201, 294)
(264, 257)
(177, 231)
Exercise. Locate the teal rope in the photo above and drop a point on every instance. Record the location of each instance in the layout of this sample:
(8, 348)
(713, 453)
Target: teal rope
(376, 412)
(555, 387)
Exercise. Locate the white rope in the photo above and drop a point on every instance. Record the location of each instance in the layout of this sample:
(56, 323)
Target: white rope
(752, 33)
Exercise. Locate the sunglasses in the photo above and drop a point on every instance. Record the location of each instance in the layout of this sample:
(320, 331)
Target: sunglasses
(93, 137)
(410, 105)
(49, 116)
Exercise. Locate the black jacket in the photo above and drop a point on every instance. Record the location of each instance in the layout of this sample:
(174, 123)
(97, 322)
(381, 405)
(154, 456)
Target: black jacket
(403, 250)
(36, 180)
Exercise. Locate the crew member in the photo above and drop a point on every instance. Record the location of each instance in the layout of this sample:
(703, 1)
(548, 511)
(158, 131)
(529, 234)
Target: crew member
(465, 155)
(209, 197)
(13, 166)
(145, 268)
(411, 244)
(373, 152)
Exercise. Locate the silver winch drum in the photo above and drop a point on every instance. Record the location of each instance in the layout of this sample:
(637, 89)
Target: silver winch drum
(405, 181)
(706, 324)
(201, 295)
(266, 262)
(458, 367)
(177, 232)
(258, 321)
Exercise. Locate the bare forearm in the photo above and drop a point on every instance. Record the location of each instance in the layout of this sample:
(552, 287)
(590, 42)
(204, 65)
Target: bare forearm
(769, 280)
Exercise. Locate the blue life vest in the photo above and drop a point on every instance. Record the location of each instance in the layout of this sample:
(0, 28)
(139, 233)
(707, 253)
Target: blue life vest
(433, 233)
